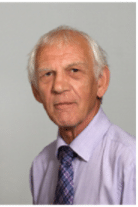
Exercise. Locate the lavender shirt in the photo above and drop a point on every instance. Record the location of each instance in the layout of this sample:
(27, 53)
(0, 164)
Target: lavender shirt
(104, 171)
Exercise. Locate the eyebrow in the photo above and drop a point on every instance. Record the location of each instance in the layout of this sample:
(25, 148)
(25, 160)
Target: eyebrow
(67, 66)
(43, 69)
(76, 63)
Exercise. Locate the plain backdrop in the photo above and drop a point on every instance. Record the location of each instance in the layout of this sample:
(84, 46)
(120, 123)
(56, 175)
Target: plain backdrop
(25, 129)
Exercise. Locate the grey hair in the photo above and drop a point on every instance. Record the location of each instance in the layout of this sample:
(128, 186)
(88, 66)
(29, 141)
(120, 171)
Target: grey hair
(67, 32)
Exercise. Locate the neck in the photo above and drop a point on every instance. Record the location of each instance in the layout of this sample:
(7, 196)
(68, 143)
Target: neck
(70, 133)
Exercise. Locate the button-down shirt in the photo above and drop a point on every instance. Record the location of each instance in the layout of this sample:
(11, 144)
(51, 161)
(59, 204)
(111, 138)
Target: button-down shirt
(104, 171)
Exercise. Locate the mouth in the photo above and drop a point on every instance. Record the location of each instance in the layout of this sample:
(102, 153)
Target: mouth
(64, 105)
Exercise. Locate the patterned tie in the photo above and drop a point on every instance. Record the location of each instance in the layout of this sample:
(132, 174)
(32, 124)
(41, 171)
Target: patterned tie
(65, 187)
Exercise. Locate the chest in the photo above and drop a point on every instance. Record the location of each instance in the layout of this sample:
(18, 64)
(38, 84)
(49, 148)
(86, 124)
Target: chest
(95, 182)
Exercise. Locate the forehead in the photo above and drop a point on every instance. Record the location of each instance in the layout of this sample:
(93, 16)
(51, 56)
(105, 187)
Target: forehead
(76, 49)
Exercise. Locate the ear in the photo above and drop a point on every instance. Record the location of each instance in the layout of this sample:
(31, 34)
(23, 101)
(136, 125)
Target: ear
(36, 94)
(103, 82)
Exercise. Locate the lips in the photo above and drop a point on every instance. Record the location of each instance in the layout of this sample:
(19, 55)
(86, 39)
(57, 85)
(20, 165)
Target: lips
(64, 105)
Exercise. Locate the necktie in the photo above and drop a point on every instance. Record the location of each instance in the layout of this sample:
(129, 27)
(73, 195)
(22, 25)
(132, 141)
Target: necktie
(65, 187)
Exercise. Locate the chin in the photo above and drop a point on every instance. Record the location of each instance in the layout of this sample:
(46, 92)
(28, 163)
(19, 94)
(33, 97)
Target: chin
(67, 119)
(69, 123)
(65, 123)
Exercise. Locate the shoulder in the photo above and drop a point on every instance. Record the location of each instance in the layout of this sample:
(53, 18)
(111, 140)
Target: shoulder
(118, 135)
(122, 145)
(47, 154)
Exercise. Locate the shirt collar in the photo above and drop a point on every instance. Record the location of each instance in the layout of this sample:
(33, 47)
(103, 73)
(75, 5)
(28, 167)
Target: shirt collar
(87, 140)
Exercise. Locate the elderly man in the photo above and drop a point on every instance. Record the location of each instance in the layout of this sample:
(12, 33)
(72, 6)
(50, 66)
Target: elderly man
(92, 161)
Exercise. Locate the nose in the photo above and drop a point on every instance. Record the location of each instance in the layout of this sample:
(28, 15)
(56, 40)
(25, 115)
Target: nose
(60, 83)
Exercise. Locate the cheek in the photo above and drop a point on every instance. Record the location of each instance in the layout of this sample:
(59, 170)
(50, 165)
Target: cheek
(88, 93)
(85, 88)
(45, 96)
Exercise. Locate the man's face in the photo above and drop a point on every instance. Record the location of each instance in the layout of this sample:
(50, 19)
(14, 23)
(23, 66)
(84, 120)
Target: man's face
(66, 83)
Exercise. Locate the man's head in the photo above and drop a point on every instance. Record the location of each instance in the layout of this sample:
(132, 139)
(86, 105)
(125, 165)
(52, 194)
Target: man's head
(66, 34)
(69, 75)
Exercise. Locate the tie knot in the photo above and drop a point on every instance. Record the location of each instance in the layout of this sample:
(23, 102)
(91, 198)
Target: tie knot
(66, 154)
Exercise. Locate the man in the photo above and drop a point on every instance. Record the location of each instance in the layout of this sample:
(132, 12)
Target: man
(92, 161)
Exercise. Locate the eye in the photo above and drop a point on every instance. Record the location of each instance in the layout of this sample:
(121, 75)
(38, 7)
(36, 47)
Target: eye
(48, 74)
(74, 70)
